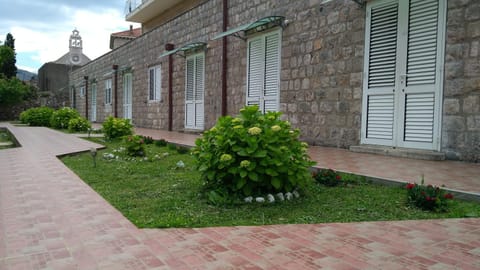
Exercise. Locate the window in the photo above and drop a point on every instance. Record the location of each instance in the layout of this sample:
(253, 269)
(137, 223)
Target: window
(108, 91)
(82, 91)
(72, 97)
(155, 85)
(263, 71)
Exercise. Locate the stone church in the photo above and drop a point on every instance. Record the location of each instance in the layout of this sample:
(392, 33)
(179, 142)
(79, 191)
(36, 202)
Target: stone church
(53, 76)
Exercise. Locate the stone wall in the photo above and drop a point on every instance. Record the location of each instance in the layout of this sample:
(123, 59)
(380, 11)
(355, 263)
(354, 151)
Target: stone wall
(461, 104)
(321, 70)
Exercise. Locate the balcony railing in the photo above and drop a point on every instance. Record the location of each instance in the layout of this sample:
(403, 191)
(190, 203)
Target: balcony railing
(132, 5)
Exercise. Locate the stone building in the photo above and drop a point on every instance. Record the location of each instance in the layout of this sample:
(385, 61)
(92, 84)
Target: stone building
(388, 76)
(119, 38)
(53, 76)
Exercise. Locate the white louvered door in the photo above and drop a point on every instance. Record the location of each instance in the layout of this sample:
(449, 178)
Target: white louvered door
(194, 91)
(403, 73)
(263, 74)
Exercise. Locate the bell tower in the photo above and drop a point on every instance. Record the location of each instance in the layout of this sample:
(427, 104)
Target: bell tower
(75, 44)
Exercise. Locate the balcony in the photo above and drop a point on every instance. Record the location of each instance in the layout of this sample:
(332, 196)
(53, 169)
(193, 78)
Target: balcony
(142, 11)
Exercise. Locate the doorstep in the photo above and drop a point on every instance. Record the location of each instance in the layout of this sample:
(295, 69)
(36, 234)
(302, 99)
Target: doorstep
(398, 152)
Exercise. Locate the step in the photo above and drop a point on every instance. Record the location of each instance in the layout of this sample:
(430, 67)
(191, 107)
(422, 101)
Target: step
(398, 152)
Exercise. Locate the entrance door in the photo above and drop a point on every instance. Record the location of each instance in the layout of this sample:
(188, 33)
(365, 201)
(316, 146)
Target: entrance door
(127, 96)
(403, 73)
(93, 116)
(194, 89)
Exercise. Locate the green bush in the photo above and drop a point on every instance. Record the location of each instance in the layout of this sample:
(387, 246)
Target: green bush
(135, 145)
(253, 154)
(328, 177)
(161, 143)
(148, 139)
(182, 149)
(428, 197)
(79, 124)
(61, 117)
(117, 127)
(39, 116)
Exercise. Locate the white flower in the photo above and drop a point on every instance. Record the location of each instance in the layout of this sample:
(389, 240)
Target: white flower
(180, 164)
(248, 199)
(165, 154)
(280, 196)
(296, 194)
(260, 199)
(288, 196)
(270, 198)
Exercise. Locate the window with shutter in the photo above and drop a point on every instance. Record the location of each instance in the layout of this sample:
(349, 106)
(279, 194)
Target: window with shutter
(108, 91)
(194, 91)
(403, 82)
(154, 83)
(263, 71)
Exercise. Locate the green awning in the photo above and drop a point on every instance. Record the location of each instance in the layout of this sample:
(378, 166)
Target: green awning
(256, 26)
(184, 48)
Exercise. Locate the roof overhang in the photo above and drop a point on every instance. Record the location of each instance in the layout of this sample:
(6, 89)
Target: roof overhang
(190, 47)
(257, 26)
(148, 9)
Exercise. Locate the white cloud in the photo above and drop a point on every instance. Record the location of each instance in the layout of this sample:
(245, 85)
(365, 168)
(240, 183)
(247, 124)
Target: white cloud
(46, 42)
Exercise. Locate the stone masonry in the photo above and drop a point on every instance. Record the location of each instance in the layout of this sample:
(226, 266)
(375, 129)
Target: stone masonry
(321, 70)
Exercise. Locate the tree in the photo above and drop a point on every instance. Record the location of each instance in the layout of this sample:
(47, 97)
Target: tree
(8, 57)
(13, 91)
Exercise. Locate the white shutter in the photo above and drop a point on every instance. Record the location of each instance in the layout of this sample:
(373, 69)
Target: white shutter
(272, 72)
(380, 117)
(194, 91)
(383, 45)
(199, 90)
(255, 71)
(419, 117)
(422, 42)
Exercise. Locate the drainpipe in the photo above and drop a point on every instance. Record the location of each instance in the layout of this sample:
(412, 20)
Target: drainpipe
(170, 47)
(224, 58)
(115, 90)
(86, 96)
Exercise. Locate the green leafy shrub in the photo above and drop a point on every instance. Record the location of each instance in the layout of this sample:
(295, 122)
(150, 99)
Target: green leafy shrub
(117, 127)
(39, 116)
(161, 143)
(182, 149)
(79, 124)
(328, 177)
(252, 154)
(428, 197)
(135, 145)
(61, 117)
(148, 139)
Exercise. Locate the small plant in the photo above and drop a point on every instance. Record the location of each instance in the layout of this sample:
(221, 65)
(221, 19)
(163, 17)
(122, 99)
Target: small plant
(171, 146)
(431, 198)
(148, 139)
(252, 154)
(135, 145)
(39, 116)
(182, 149)
(61, 117)
(116, 127)
(328, 177)
(79, 124)
(160, 143)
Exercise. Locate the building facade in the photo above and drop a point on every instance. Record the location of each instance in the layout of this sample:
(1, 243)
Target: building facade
(389, 73)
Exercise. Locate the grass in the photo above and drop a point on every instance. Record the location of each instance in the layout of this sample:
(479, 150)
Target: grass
(157, 194)
(6, 140)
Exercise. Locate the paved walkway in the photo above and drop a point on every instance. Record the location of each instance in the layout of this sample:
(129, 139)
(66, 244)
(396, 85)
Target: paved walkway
(50, 219)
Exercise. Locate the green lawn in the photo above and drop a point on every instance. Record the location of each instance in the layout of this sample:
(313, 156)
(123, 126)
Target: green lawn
(6, 140)
(156, 193)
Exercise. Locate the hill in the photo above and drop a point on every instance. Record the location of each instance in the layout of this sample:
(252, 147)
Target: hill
(25, 75)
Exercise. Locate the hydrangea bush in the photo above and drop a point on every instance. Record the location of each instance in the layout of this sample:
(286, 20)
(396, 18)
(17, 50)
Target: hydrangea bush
(61, 117)
(116, 127)
(79, 124)
(39, 116)
(252, 154)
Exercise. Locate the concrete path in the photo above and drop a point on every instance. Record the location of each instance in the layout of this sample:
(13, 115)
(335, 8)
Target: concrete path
(50, 219)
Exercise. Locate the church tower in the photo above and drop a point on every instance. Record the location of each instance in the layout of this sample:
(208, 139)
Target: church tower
(75, 44)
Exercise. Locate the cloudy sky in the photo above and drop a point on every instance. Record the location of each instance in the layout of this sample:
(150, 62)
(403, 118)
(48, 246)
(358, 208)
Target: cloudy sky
(41, 28)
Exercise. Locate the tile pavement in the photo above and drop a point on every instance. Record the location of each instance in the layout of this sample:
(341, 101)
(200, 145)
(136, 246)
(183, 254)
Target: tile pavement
(50, 219)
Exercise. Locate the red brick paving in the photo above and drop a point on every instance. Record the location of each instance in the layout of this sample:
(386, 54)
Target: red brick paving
(50, 219)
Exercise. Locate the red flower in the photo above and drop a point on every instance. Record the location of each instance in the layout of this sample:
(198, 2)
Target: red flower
(338, 177)
(448, 196)
(428, 198)
(410, 186)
